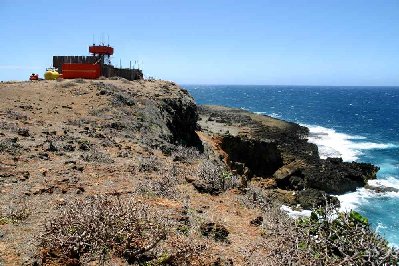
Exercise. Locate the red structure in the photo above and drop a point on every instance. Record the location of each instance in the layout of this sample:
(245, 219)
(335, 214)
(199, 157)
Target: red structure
(85, 71)
(101, 50)
(93, 66)
(88, 70)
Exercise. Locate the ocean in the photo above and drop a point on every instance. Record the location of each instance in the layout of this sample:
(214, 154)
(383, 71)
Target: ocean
(355, 123)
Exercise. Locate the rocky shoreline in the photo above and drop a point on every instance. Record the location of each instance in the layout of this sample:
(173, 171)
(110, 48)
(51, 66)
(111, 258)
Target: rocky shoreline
(277, 153)
(204, 183)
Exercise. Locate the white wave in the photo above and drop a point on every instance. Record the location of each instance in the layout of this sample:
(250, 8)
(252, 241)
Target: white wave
(336, 144)
(295, 214)
(390, 182)
(352, 200)
(379, 227)
(275, 115)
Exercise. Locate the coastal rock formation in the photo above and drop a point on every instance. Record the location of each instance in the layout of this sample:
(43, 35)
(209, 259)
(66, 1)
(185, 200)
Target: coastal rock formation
(276, 149)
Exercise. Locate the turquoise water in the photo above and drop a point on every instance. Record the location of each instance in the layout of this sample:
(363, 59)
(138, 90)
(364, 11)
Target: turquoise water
(355, 123)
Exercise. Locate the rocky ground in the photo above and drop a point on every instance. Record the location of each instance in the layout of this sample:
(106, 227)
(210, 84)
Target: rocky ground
(115, 172)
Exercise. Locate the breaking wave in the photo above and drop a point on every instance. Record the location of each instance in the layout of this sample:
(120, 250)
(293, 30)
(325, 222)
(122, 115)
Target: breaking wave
(335, 144)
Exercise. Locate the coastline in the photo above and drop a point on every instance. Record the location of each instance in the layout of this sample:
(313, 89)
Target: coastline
(214, 177)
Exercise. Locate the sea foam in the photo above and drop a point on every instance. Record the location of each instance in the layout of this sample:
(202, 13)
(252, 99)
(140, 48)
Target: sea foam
(352, 200)
(350, 147)
(335, 144)
(295, 214)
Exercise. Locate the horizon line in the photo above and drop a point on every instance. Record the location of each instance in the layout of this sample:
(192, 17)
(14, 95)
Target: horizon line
(282, 85)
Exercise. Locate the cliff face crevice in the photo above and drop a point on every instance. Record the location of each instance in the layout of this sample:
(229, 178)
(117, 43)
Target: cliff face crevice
(262, 158)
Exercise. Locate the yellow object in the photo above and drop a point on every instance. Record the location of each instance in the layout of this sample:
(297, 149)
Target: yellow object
(51, 74)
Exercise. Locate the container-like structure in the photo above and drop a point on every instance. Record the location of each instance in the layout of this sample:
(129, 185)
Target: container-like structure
(94, 66)
(85, 71)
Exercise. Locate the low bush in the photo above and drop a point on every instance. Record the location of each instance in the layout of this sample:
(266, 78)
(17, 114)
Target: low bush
(10, 146)
(162, 186)
(96, 156)
(68, 84)
(185, 154)
(16, 115)
(327, 237)
(14, 212)
(120, 99)
(96, 228)
(344, 239)
(149, 164)
(80, 80)
(212, 178)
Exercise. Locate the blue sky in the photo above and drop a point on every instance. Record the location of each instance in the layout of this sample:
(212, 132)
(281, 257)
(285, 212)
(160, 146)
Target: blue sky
(277, 42)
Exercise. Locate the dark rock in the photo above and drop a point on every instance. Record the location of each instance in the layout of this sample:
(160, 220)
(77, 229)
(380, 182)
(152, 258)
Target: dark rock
(216, 231)
(257, 221)
(181, 119)
(337, 177)
(261, 157)
(84, 146)
(49, 146)
(223, 262)
(24, 132)
(296, 182)
(43, 155)
(313, 198)
(69, 147)
(382, 189)
(204, 187)
(279, 148)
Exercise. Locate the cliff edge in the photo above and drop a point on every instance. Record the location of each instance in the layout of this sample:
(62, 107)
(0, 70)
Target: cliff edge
(117, 172)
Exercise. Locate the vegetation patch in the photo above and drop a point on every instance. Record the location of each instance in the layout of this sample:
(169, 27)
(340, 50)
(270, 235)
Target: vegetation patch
(15, 212)
(10, 146)
(346, 238)
(96, 227)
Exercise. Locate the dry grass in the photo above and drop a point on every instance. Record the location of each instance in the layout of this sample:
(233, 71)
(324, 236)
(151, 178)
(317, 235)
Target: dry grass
(186, 154)
(97, 227)
(96, 156)
(15, 211)
(100, 229)
(148, 164)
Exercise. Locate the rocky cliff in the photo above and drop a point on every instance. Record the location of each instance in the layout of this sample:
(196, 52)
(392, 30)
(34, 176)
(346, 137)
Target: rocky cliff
(85, 165)
(278, 152)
